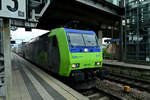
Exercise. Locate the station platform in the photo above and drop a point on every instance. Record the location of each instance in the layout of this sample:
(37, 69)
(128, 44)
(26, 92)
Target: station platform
(124, 64)
(31, 83)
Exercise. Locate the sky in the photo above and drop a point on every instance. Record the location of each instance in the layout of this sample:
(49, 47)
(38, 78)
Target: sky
(21, 35)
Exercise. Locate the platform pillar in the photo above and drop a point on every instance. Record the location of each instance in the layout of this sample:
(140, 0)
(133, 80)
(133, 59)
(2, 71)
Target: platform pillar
(7, 60)
(121, 41)
(100, 38)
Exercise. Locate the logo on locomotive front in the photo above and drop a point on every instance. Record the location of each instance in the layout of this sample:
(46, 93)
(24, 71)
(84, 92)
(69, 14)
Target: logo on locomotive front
(76, 57)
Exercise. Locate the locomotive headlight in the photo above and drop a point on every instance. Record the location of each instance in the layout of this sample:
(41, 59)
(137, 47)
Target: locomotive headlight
(97, 63)
(75, 65)
(85, 50)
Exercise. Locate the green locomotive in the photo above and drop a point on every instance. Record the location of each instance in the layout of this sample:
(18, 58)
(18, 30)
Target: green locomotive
(67, 52)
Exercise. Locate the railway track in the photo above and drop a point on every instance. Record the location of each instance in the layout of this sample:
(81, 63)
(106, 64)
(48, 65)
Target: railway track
(133, 82)
(115, 90)
(100, 94)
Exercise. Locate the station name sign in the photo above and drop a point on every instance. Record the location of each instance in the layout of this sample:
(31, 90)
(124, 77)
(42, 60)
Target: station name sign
(13, 9)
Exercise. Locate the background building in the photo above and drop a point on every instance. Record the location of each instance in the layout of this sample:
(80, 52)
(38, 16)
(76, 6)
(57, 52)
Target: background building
(138, 30)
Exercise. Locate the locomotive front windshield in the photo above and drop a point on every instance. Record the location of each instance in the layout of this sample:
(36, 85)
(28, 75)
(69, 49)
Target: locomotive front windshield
(90, 40)
(77, 39)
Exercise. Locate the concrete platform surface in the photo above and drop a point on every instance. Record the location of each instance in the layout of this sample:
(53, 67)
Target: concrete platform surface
(123, 64)
(31, 83)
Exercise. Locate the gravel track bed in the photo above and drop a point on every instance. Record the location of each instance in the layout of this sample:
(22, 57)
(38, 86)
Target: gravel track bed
(115, 88)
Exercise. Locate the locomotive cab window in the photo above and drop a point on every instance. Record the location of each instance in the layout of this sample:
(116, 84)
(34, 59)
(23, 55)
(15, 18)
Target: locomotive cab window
(76, 39)
(90, 40)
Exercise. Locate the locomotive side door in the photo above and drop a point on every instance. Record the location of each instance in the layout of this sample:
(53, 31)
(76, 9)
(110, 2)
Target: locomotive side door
(54, 55)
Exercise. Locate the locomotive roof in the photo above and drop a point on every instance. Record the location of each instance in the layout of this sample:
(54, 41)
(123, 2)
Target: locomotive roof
(79, 31)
